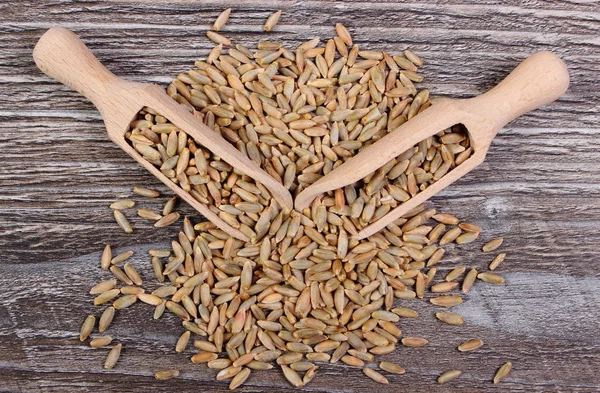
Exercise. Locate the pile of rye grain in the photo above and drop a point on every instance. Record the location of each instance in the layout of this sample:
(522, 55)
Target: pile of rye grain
(302, 290)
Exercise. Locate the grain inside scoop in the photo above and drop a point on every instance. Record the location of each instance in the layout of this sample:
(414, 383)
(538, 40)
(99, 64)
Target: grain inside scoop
(61, 55)
(537, 81)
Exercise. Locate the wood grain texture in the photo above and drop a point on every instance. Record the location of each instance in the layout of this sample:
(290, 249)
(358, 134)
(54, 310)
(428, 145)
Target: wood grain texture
(539, 188)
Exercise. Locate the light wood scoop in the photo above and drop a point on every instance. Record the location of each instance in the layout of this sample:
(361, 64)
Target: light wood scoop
(61, 55)
(538, 80)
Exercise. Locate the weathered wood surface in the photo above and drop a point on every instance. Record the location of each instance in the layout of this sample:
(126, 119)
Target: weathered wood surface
(539, 188)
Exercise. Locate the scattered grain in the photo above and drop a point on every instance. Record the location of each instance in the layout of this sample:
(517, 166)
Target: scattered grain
(492, 244)
(292, 376)
(450, 318)
(106, 319)
(497, 261)
(502, 372)
(405, 312)
(446, 301)
(470, 345)
(272, 20)
(122, 221)
(121, 257)
(101, 341)
(106, 296)
(375, 376)
(132, 273)
(122, 204)
(239, 378)
(448, 376)
(467, 237)
(221, 20)
(106, 257)
(148, 214)
(391, 368)
(443, 287)
(167, 220)
(124, 301)
(218, 38)
(120, 275)
(469, 280)
(491, 278)
(87, 327)
(343, 33)
(103, 286)
(166, 374)
(182, 341)
(455, 273)
(414, 341)
(113, 357)
(146, 192)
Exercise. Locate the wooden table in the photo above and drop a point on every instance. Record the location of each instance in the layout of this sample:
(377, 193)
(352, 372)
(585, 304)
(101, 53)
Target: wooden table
(539, 188)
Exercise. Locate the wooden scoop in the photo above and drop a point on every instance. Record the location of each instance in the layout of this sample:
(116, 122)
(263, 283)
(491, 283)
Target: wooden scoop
(61, 55)
(538, 80)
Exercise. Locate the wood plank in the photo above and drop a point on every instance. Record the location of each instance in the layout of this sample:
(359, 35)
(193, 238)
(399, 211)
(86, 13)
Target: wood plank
(489, 53)
(77, 185)
(512, 328)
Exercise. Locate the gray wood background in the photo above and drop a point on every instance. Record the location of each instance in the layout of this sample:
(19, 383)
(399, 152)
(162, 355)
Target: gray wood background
(539, 188)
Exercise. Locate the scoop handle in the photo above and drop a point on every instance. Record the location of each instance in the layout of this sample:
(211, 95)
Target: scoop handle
(537, 81)
(61, 55)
